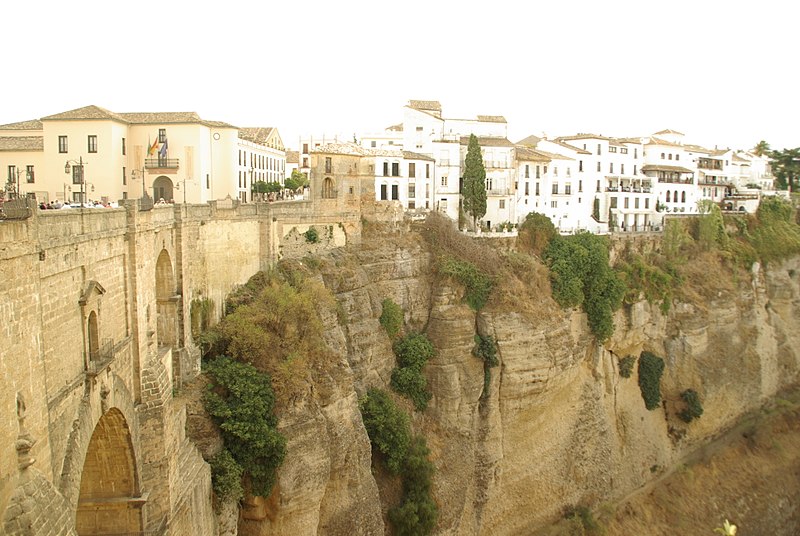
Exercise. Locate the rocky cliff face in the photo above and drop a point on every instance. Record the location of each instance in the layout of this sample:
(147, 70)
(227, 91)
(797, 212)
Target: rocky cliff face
(558, 426)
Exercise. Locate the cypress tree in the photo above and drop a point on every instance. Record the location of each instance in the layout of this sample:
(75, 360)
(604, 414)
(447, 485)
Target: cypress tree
(474, 192)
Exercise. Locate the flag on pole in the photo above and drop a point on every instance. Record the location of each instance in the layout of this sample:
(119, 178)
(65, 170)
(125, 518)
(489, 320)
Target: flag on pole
(152, 147)
(163, 152)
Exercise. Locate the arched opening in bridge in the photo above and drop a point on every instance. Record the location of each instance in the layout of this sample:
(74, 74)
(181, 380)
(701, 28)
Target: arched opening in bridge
(328, 191)
(166, 301)
(162, 189)
(109, 500)
(94, 338)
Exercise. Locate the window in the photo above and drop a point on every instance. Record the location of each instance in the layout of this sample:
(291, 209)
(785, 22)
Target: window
(527, 171)
(580, 166)
(611, 168)
(568, 188)
(624, 150)
(677, 157)
(412, 191)
(538, 176)
(328, 164)
(555, 171)
(162, 135)
(444, 181)
(598, 186)
(635, 202)
(636, 152)
(77, 174)
(598, 166)
(611, 150)
(123, 146)
(208, 181)
(622, 169)
(373, 143)
(626, 201)
(580, 186)
(124, 176)
(384, 195)
(537, 188)
(305, 148)
(612, 203)
(667, 196)
(646, 202)
(62, 144)
(634, 169)
(29, 174)
(670, 156)
(443, 205)
(502, 204)
(12, 174)
(598, 148)
(545, 170)
(662, 156)
(386, 169)
(683, 195)
(553, 204)
(412, 170)
(419, 129)
(427, 171)
(395, 169)
(555, 188)
(527, 188)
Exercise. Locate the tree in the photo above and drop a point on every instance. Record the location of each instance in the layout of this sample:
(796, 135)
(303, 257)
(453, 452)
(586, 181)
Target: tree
(786, 167)
(761, 148)
(474, 191)
(297, 180)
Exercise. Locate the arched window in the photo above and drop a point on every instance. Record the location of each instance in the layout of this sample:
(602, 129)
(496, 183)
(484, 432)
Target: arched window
(94, 338)
(328, 191)
(683, 197)
(667, 196)
(675, 196)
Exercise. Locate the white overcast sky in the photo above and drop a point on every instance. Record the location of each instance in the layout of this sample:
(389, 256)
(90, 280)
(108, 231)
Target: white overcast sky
(722, 72)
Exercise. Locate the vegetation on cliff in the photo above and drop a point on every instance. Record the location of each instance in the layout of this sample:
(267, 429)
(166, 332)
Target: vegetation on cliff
(651, 367)
(413, 351)
(390, 433)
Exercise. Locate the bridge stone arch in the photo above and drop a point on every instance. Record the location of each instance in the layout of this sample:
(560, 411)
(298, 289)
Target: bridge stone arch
(110, 501)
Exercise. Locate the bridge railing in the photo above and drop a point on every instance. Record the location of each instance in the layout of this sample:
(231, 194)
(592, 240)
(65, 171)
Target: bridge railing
(17, 209)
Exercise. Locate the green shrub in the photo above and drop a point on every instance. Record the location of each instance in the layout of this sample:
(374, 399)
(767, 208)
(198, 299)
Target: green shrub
(536, 232)
(200, 313)
(650, 369)
(412, 352)
(643, 278)
(477, 284)
(226, 476)
(626, 366)
(391, 317)
(387, 426)
(584, 517)
(693, 409)
(417, 513)
(486, 350)
(580, 275)
(312, 235)
(241, 401)
(412, 384)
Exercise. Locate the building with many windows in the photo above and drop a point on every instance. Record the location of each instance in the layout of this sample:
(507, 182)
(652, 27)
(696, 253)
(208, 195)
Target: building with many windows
(94, 154)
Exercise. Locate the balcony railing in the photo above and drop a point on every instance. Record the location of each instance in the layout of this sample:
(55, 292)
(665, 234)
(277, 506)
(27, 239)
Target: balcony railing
(100, 357)
(161, 163)
(497, 191)
(633, 189)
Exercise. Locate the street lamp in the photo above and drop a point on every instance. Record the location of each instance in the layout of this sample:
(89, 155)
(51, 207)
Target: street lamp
(178, 187)
(69, 166)
(10, 186)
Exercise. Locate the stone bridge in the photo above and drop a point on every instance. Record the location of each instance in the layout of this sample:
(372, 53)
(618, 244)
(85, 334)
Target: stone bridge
(97, 309)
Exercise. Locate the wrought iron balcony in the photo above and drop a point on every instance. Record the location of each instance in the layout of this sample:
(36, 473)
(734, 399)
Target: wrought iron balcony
(161, 163)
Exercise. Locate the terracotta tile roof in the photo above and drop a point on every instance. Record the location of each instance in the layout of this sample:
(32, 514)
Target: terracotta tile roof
(554, 156)
(737, 158)
(492, 119)
(350, 149)
(292, 157)
(668, 131)
(258, 135)
(488, 141)
(630, 139)
(530, 141)
(526, 154)
(396, 128)
(659, 167)
(87, 112)
(658, 141)
(570, 147)
(166, 118)
(217, 124)
(697, 149)
(33, 124)
(408, 155)
(22, 143)
(584, 136)
(426, 105)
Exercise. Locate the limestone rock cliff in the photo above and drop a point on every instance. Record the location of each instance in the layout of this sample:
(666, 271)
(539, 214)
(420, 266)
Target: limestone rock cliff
(558, 425)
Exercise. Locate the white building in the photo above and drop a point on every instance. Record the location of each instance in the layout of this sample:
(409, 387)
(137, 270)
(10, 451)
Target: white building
(174, 155)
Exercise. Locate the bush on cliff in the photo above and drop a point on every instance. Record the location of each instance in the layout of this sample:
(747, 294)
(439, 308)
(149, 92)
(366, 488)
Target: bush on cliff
(626, 366)
(241, 401)
(486, 350)
(226, 476)
(580, 275)
(693, 409)
(477, 284)
(387, 426)
(391, 318)
(413, 352)
(650, 369)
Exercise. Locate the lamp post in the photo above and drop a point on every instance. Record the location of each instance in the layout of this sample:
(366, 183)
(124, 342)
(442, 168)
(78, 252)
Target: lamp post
(69, 167)
(178, 187)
